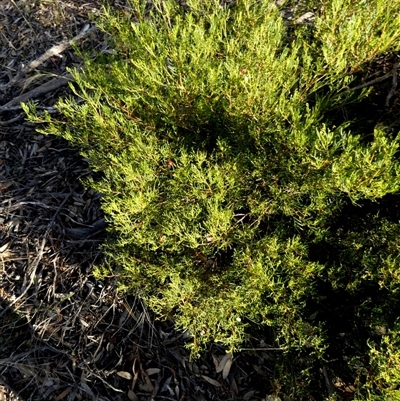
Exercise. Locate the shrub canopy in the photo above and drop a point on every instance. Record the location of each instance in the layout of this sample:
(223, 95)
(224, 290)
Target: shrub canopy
(237, 196)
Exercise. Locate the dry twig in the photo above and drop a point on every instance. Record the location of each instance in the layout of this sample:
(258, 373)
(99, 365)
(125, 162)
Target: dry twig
(52, 85)
(392, 73)
(55, 50)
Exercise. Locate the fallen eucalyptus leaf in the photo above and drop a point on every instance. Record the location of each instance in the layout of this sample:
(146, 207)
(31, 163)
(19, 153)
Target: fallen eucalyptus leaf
(211, 381)
(125, 375)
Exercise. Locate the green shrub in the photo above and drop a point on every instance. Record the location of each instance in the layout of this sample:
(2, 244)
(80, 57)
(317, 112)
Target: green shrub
(383, 375)
(236, 200)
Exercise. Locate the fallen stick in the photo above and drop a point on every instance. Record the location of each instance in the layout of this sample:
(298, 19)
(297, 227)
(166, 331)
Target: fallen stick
(12, 121)
(391, 73)
(54, 84)
(55, 50)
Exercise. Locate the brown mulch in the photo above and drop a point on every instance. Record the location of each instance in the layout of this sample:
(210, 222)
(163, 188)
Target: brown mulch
(64, 335)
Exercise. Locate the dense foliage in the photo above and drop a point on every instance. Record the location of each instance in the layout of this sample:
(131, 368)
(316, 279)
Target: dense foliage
(238, 200)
